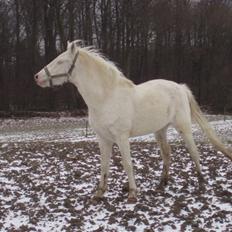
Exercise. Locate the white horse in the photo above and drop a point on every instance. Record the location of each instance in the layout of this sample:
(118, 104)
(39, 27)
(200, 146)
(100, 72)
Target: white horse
(119, 109)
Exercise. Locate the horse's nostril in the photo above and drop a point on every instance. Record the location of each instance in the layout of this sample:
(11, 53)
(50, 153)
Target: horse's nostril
(36, 77)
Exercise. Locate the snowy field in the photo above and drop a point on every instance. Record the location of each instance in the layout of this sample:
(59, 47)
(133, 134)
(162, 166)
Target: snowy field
(49, 169)
(72, 129)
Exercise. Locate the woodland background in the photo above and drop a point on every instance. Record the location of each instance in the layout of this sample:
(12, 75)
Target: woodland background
(181, 40)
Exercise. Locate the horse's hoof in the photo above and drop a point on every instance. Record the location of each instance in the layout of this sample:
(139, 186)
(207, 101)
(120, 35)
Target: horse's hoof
(163, 183)
(132, 200)
(201, 179)
(95, 199)
(125, 187)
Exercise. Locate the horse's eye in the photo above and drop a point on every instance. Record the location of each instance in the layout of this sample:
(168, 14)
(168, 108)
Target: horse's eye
(60, 62)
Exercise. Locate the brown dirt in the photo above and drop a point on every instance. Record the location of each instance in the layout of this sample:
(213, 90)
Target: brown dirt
(54, 183)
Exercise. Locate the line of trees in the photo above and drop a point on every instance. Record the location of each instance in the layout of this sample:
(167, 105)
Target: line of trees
(182, 40)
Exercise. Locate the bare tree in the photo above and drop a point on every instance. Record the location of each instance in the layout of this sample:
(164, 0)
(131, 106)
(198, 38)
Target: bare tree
(182, 40)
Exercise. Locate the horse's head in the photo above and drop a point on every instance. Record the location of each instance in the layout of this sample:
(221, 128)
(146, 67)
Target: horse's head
(59, 70)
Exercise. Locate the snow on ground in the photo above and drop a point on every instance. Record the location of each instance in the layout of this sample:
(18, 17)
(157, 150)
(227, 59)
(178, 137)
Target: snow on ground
(49, 171)
(74, 130)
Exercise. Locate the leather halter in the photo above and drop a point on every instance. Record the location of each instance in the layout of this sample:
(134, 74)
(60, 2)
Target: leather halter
(67, 74)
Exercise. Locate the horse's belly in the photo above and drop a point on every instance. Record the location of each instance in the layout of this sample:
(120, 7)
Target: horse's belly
(147, 125)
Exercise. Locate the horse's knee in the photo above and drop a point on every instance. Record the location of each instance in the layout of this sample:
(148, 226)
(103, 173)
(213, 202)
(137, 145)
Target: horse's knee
(164, 181)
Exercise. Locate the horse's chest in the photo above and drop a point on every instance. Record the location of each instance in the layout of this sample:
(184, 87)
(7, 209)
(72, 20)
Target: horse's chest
(102, 127)
(110, 125)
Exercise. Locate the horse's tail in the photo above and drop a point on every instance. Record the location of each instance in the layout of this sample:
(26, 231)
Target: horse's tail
(198, 116)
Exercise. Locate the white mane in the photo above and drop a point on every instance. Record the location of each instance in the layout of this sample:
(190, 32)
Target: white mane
(105, 64)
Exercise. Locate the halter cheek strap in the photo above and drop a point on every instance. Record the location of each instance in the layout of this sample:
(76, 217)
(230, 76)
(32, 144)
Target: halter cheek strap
(67, 74)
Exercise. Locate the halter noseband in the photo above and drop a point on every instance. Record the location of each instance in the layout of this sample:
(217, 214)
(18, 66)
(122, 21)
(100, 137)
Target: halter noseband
(67, 74)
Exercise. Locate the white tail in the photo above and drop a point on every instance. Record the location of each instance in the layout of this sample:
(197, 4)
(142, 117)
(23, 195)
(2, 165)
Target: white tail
(198, 116)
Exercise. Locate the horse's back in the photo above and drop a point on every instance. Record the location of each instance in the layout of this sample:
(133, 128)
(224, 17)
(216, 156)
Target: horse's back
(161, 91)
(158, 83)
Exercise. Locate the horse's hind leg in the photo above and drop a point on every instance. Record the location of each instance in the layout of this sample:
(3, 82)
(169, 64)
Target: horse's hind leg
(185, 130)
(165, 153)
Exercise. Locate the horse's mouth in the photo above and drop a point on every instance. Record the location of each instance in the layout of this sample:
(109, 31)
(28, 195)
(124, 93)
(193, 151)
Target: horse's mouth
(42, 83)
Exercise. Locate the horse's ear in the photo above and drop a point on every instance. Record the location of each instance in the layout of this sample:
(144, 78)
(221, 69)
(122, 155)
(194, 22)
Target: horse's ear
(68, 43)
(73, 47)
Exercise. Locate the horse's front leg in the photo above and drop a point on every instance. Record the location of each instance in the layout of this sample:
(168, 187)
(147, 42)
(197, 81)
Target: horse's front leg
(124, 147)
(106, 151)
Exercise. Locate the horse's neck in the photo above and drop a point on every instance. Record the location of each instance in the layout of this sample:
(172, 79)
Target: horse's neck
(90, 83)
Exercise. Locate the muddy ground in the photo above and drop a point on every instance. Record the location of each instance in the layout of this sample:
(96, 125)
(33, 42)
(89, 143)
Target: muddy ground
(47, 186)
